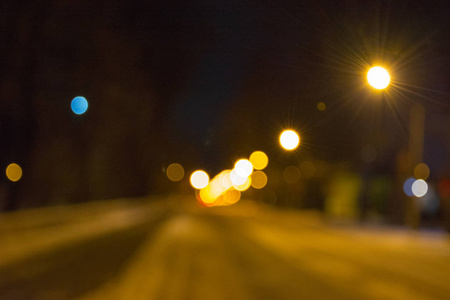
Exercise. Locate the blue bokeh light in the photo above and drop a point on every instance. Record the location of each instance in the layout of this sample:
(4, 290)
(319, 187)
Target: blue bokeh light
(407, 186)
(79, 105)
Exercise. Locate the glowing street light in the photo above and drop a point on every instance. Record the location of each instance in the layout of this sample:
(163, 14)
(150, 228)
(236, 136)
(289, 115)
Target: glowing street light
(289, 139)
(378, 78)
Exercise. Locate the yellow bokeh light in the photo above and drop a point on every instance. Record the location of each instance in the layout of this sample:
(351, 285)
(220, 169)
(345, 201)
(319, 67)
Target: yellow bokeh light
(231, 197)
(225, 180)
(207, 196)
(289, 139)
(216, 187)
(199, 179)
(321, 106)
(421, 171)
(14, 172)
(175, 172)
(259, 179)
(259, 160)
(220, 201)
(378, 78)
(243, 168)
(245, 186)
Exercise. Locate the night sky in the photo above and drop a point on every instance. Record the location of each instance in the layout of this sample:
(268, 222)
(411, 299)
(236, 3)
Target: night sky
(205, 82)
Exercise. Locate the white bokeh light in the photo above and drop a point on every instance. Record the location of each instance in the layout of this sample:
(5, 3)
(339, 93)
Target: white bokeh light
(243, 168)
(419, 188)
(199, 179)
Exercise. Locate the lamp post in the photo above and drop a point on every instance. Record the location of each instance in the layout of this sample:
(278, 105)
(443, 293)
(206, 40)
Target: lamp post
(289, 141)
(379, 78)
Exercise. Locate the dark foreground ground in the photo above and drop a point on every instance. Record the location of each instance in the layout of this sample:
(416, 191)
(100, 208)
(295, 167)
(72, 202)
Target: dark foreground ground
(172, 249)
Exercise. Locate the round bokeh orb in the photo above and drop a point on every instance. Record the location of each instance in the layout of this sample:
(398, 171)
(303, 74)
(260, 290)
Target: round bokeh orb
(79, 105)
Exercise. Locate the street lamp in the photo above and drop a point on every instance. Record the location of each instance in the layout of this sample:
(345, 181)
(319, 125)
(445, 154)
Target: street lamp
(289, 139)
(378, 78)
